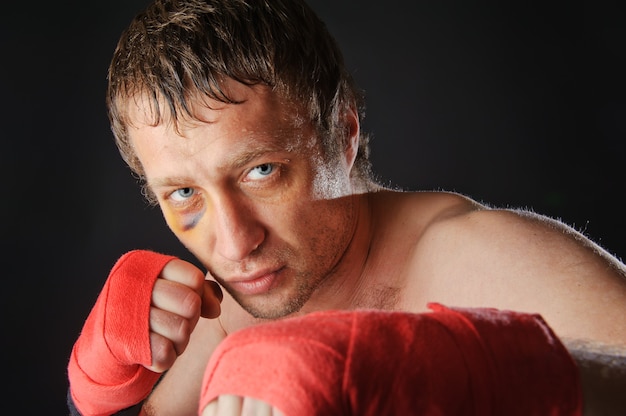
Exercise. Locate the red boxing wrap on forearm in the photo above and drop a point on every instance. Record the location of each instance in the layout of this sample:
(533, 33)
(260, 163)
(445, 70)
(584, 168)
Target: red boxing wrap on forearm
(452, 361)
(106, 368)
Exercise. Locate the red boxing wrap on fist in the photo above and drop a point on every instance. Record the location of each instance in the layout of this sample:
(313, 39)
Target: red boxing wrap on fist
(452, 361)
(106, 368)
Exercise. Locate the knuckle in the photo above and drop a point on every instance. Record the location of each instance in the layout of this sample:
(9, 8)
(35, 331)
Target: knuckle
(182, 335)
(190, 304)
(183, 272)
(163, 353)
(176, 298)
(173, 328)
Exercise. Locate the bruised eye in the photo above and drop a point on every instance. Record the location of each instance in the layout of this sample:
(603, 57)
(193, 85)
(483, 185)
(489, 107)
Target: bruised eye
(182, 194)
(261, 171)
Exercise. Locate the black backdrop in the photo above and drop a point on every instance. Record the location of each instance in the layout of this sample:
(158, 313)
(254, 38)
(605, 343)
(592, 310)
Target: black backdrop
(515, 105)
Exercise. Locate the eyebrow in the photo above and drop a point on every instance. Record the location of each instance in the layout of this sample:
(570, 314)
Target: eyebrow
(251, 153)
(176, 181)
(246, 157)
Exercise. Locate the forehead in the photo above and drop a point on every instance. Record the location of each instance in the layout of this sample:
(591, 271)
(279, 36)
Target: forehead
(257, 111)
(144, 108)
(261, 120)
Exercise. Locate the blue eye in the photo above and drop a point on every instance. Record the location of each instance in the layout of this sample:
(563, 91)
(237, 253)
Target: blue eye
(182, 194)
(261, 171)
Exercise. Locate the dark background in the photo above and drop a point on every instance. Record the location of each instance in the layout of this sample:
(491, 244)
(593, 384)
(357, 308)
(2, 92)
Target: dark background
(520, 105)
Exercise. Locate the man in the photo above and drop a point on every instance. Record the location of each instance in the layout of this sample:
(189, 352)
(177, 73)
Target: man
(244, 125)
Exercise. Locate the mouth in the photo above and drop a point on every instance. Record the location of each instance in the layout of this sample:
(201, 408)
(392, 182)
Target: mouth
(257, 284)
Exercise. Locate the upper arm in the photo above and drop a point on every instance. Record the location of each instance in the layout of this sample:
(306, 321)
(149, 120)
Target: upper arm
(522, 261)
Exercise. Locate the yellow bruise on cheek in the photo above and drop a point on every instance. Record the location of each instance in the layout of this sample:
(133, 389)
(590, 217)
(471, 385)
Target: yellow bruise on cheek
(182, 221)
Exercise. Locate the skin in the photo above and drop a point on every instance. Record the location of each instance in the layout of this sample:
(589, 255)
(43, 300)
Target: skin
(283, 233)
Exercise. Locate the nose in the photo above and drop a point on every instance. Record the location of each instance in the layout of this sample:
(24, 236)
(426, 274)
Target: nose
(237, 230)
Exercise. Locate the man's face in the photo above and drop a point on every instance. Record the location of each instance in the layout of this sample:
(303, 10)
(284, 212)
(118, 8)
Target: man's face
(248, 192)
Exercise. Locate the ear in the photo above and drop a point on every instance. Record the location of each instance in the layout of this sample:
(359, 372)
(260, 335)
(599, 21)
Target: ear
(353, 132)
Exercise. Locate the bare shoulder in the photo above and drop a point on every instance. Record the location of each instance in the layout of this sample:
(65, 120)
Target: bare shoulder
(471, 255)
(418, 210)
(539, 238)
(508, 233)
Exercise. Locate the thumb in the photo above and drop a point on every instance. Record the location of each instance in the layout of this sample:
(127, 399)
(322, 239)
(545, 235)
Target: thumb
(211, 298)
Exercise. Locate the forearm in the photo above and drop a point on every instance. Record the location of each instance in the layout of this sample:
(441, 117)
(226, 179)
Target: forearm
(603, 377)
(131, 411)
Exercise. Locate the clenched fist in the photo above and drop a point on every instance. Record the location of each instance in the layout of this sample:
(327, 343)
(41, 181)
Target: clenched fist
(179, 297)
(140, 324)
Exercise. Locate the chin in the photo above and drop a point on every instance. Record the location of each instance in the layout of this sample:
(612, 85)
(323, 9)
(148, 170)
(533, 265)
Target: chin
(273, 307)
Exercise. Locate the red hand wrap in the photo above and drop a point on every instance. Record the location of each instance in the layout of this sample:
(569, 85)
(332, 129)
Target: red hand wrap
(106, 370)
(451, 361)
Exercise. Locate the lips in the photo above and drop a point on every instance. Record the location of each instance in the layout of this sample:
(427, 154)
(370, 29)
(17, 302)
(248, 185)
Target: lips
(256, 285)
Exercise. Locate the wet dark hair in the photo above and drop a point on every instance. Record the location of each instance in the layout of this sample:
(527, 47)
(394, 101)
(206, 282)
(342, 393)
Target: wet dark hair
(176, 48)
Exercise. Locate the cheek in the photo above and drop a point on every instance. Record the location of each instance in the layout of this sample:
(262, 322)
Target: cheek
(321, 224)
